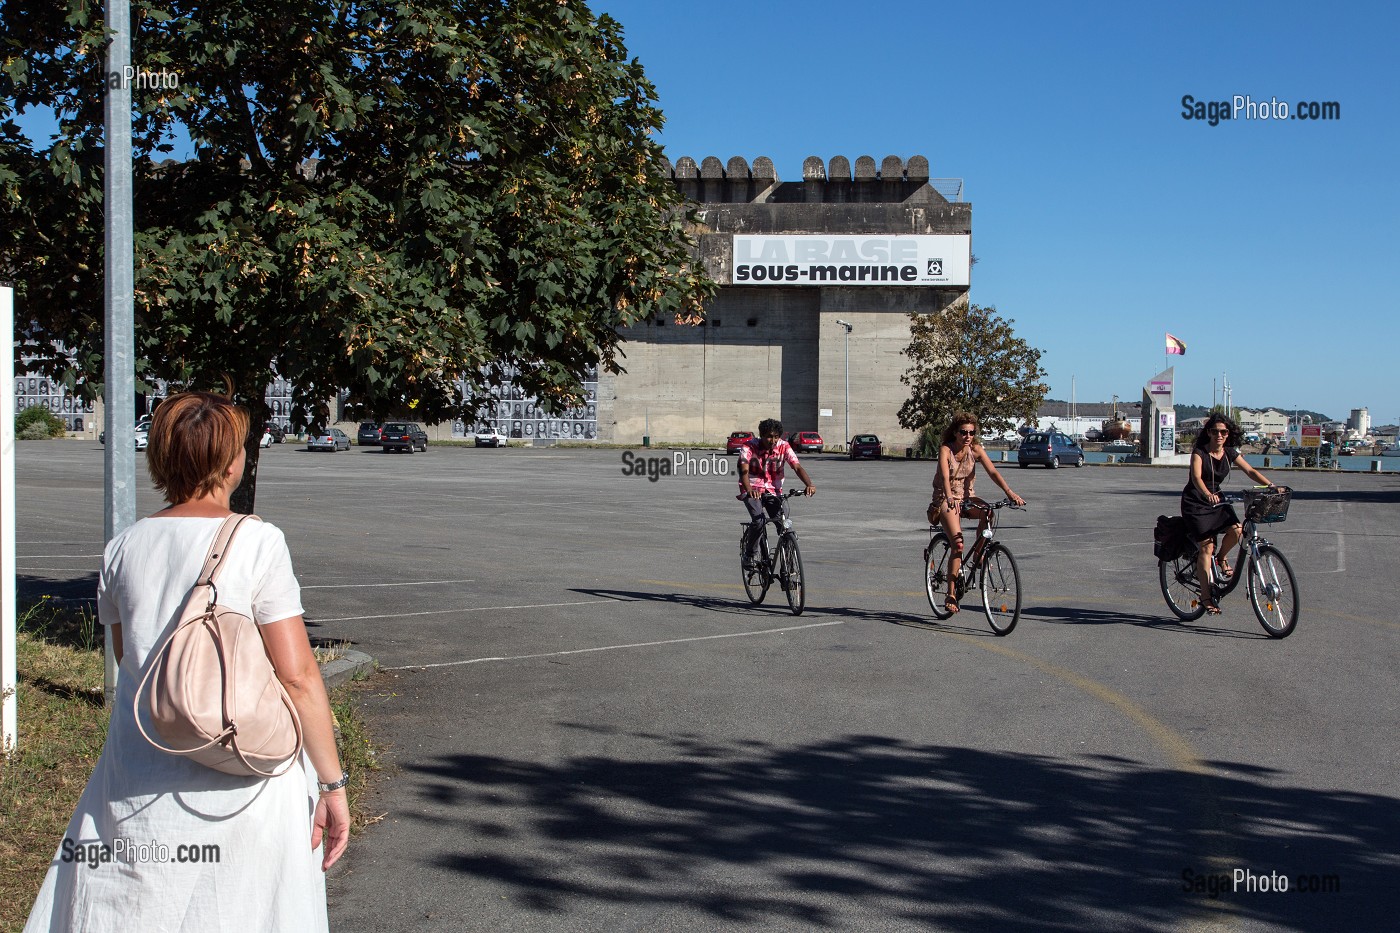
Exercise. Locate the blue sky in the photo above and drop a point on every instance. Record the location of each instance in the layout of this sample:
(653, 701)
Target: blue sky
(1101, 218)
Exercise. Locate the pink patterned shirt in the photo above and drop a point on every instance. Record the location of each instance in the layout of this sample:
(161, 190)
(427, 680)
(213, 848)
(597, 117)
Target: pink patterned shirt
(766, 468)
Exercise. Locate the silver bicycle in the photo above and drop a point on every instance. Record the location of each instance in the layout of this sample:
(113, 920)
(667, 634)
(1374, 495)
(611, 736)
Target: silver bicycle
(1272, 587)
(988, 566)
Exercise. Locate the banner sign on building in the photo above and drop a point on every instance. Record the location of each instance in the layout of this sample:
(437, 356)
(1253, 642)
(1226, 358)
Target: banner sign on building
(1159, 388)
(808, 259)
(1166, 432)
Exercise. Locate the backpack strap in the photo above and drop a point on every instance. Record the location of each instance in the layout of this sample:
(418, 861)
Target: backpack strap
(208, 574)
(218, 548)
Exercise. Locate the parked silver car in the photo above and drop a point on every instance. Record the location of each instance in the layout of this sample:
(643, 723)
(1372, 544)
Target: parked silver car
(332, 440)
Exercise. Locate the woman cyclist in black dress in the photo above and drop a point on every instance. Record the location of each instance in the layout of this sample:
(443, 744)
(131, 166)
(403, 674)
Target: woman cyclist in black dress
(1215, 450)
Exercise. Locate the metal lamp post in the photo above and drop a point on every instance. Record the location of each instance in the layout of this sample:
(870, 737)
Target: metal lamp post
(848, 379)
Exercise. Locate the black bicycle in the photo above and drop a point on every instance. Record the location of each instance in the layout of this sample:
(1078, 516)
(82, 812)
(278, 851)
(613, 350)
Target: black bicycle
(1272, 588)
(988, 566)
(782, 563)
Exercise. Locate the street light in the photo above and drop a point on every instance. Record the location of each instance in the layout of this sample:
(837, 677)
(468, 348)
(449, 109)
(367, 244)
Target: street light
(848, 379)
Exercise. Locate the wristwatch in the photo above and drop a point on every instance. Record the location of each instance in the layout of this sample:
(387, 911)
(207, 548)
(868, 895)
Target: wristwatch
(334, 785)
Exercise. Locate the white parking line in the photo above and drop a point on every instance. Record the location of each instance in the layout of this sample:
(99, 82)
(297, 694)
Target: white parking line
(345, 586)
(640, 644)
(441, 612)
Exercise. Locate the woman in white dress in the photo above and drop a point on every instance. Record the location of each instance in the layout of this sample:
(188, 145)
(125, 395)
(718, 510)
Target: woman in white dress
(159, 842)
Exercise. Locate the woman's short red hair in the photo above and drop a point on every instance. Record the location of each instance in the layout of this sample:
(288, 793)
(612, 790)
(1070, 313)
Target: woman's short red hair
(194, 437)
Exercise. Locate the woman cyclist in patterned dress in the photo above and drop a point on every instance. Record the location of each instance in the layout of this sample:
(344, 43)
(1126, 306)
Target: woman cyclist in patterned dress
(953, 496)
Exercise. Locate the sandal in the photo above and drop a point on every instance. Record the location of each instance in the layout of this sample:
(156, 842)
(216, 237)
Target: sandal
(950, 604)
(1224, 567)
(1212, 607)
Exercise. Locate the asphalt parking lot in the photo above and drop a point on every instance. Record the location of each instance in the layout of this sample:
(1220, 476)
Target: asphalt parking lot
(593, 730)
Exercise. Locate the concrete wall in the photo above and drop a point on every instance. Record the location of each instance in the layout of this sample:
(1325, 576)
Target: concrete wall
(753, 358)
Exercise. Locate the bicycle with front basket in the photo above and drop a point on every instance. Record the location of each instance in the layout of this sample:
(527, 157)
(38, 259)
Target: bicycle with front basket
(1272, 587)
(783, 562)
(988, 566)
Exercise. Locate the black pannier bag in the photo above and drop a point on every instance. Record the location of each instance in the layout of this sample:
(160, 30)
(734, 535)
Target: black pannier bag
(1169, 539)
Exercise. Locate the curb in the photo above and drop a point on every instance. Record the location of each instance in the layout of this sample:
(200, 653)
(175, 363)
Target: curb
(347, 667)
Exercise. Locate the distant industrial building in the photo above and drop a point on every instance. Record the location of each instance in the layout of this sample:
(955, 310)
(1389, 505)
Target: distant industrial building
(817, 280)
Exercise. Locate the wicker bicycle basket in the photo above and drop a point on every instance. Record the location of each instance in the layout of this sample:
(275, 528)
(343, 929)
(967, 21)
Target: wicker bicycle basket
(1266, 505)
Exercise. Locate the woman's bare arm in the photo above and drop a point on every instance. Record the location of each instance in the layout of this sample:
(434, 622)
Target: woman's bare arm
(290, 651)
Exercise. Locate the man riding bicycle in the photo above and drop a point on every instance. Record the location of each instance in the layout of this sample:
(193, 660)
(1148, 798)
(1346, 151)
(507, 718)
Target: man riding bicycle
(761, 463)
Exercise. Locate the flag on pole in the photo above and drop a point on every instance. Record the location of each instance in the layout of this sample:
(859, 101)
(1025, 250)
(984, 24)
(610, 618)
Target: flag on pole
(1175, 346)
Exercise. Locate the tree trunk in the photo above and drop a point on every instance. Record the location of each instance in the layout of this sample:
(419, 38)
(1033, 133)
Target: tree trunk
(243, 498)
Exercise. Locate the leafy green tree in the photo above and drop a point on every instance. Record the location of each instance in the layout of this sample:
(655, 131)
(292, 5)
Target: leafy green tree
(384, 196)
(967, 358)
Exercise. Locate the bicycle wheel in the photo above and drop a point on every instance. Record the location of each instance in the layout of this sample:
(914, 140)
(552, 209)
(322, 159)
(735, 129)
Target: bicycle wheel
(789, 573)
(937, 566)
(1001, 590)
(757, 581)
(1181, 588)
(1273, 592)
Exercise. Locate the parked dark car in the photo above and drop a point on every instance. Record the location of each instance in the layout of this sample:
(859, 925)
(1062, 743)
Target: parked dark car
(331, 439)
(806, 442)
(275, 431)
(865, 446)
(1050, 448)
(403, 435)
(368, 435)
(736, 440)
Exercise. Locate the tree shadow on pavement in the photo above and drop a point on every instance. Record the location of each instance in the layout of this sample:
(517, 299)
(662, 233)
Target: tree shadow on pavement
(81, 587)
(875, 832)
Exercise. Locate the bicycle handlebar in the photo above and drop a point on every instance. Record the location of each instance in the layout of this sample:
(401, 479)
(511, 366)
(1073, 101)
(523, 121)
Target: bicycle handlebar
(787, 495)
(1004, 503)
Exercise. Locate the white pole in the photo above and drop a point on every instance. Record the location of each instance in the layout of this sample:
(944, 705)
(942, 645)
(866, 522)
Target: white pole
(848, 385)
(848, 327)
(119, 389)
(9, 681)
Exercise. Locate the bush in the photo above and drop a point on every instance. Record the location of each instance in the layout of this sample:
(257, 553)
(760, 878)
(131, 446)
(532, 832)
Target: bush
(36, 423)
(928, 442)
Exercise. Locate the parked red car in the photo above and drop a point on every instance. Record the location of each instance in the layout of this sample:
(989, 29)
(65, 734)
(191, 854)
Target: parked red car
(806, 442)
(865, 445)
(736, 440)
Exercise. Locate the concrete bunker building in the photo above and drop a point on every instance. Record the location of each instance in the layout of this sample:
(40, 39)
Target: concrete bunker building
(793, 259)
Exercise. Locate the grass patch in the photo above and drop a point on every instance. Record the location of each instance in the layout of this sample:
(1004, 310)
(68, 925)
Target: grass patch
(358, 753)
(62, 727)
